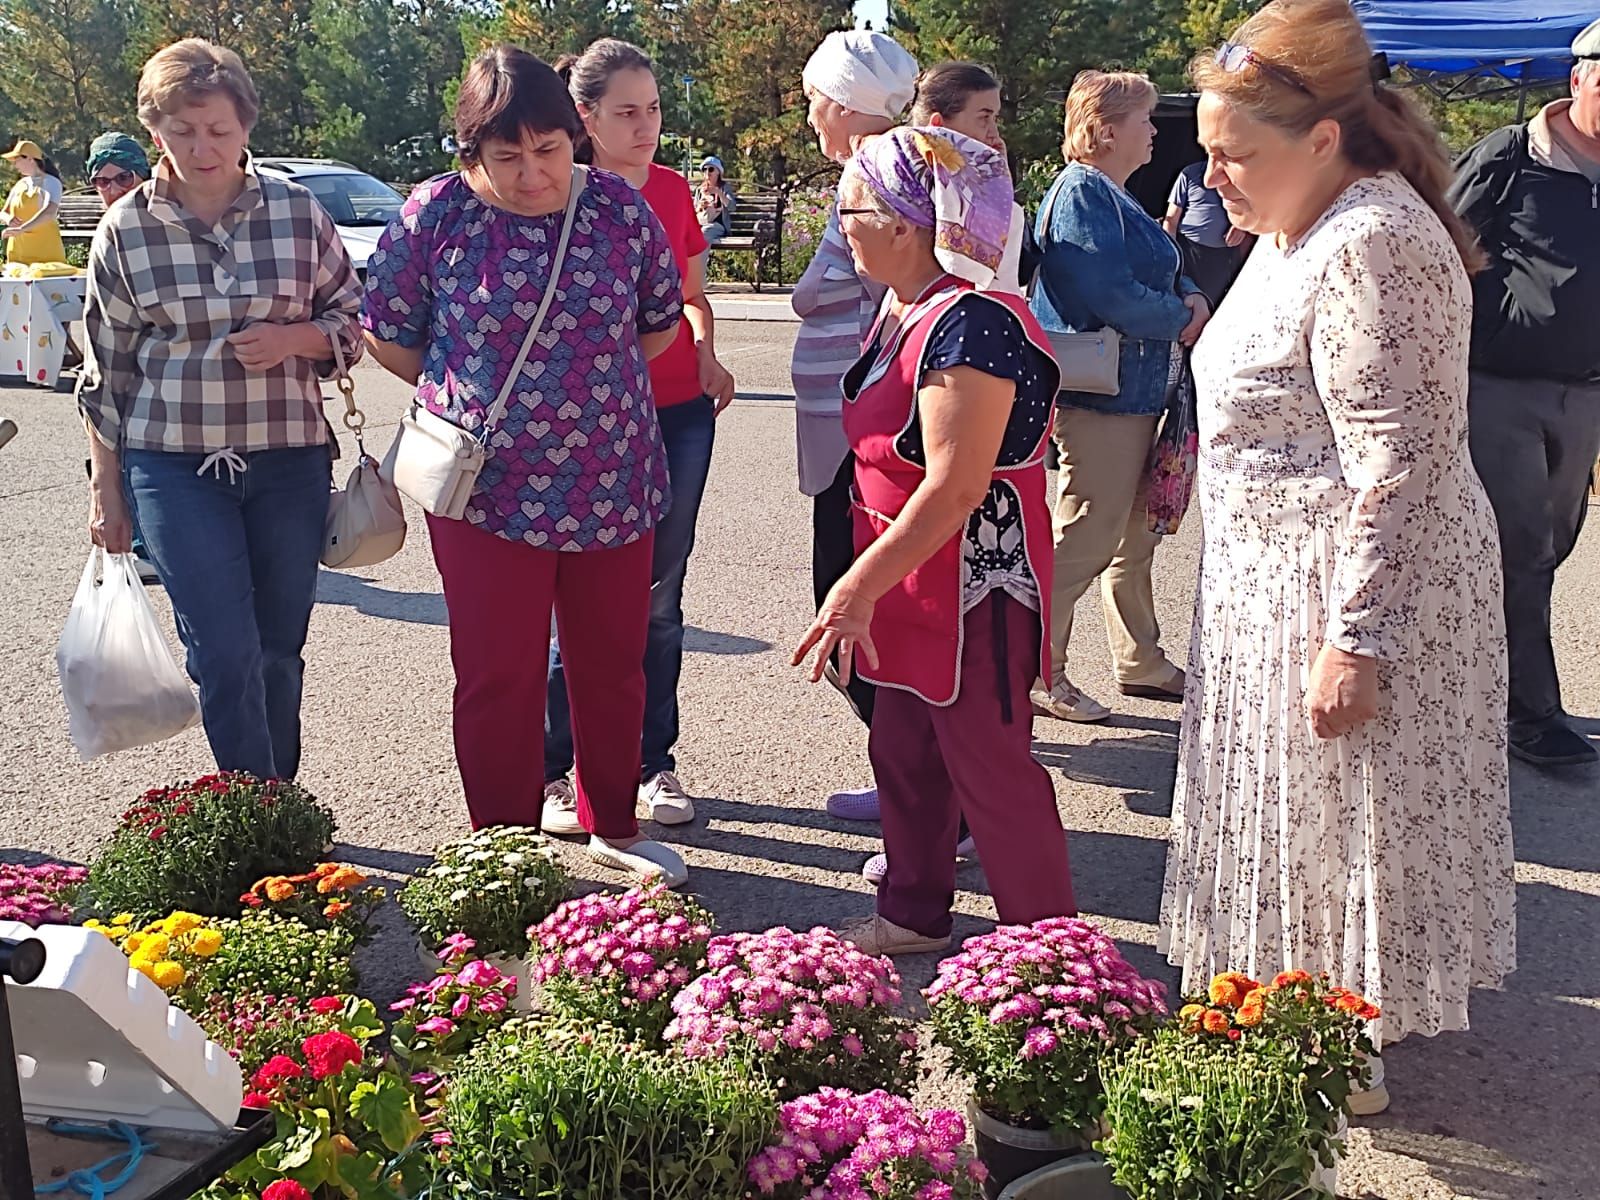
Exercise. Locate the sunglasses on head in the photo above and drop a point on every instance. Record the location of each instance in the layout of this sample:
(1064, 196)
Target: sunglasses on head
(120, 179)
(1232, 57)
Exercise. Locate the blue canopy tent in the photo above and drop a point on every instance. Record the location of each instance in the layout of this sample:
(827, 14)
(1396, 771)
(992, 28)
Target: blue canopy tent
(1520, 43)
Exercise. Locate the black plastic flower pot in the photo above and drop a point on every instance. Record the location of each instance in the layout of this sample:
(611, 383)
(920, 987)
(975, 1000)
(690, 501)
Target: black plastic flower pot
(1010, 1152)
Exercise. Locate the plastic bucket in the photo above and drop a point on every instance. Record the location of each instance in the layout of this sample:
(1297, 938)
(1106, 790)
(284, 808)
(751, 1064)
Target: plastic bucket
(1085, 1177)
(1011, 1152)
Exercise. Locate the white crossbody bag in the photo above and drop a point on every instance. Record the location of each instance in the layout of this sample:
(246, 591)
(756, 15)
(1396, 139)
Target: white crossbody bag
(1088, 361)
(435, 462)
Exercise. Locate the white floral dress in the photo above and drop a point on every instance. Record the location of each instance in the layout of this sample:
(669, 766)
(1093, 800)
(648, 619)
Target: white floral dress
(1340, 505)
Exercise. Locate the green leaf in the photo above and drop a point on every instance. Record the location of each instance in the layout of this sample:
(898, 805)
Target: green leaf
(387, 1108)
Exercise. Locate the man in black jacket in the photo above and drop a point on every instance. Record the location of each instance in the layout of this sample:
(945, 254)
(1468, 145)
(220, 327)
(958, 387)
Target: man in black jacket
(1533, 194)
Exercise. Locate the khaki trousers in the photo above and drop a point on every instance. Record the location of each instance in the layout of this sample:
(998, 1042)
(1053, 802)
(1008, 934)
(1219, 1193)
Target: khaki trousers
(1101, 532)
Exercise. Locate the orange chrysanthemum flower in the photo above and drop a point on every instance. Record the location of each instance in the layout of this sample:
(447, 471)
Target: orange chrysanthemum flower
(1290, 978)
(1225, 992)
(279, 889)
(1253, 1011)
(336, 908)
(1215, 1021)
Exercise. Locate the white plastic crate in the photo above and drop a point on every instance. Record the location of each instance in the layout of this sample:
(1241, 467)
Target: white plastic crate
(97, 1041)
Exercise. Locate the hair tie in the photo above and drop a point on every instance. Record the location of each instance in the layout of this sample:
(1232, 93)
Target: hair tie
(1378, 69)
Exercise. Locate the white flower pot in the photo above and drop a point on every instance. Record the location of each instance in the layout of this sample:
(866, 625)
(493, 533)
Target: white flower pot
(517, 968)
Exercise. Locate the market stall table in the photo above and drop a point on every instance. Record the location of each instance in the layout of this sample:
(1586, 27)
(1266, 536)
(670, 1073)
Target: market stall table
(34, 317)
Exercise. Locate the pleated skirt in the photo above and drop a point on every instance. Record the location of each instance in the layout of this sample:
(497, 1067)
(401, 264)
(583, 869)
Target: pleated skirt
(1383, 857)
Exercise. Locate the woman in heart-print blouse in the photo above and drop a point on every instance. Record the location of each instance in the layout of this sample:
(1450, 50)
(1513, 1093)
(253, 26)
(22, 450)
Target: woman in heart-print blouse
(565, 508)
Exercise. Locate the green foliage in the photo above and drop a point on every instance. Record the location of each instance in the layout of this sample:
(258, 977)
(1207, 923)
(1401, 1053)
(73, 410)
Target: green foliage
(587, 1115)
(490, 885)
(1195, 1119)
(198, 846)
(271, 955)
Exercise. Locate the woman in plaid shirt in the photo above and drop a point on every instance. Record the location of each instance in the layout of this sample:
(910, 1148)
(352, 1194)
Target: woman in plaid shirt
(213, 299)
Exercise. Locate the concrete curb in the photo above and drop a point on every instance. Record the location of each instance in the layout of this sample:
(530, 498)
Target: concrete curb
(753, 308)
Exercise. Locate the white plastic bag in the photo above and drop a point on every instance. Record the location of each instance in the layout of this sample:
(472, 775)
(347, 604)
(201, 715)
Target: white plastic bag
(117, 675)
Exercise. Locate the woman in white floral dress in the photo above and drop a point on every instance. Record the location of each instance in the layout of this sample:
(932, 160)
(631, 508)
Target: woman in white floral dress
(1342, 800)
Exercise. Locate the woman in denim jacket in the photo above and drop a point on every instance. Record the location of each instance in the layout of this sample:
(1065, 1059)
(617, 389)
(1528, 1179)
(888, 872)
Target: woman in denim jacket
(1107, 263)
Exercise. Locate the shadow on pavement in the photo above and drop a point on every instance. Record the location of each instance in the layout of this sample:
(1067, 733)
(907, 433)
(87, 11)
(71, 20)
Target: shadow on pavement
(1143, 767)
(707, 641)
(418, 608)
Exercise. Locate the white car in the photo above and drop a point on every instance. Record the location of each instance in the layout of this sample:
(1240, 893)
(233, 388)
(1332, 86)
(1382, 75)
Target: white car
(360, 205)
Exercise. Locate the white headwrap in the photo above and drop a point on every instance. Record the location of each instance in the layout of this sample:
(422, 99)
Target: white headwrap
(865, 71)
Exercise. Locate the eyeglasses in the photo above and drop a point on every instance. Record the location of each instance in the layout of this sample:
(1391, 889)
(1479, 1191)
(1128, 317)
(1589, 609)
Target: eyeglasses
(1232, 58)
(122, 179)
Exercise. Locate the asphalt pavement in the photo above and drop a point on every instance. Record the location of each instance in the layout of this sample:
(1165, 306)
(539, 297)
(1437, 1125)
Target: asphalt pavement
(1509, 1111)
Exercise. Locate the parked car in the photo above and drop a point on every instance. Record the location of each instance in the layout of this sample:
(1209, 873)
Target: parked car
(360, 205)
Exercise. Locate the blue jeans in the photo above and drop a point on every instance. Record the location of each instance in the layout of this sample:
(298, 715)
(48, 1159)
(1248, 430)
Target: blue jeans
(238, 558)
(688, 431)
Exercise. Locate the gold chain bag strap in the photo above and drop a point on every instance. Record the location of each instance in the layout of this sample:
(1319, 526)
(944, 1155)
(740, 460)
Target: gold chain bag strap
(366, 524)
(435, 462)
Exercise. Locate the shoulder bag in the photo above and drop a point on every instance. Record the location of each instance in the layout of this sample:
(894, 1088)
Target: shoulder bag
(1088, 361)
(366, 524)
(434, 461)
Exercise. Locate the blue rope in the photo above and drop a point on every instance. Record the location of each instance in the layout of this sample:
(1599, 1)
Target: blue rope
(87, 1182)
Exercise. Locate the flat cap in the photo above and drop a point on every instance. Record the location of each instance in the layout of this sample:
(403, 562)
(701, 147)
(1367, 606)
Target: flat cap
(1587, 43)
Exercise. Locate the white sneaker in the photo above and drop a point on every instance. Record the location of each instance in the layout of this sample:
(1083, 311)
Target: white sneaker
(876, 869)
(874, 935)
(650, 861)
(1065, 702)
(663, 800)
(560, 809)
(1374, 1098)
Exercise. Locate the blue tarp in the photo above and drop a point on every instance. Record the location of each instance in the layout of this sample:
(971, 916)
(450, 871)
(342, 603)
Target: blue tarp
(1518, 39)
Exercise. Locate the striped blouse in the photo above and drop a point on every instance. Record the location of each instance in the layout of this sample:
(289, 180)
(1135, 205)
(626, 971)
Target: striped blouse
(836, 309)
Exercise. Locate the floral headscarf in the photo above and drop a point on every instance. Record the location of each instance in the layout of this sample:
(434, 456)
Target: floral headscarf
(942, 180)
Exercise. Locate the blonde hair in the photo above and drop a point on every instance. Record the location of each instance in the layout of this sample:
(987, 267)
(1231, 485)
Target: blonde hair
(189, 72)
(1321, 45)
(1097, 100)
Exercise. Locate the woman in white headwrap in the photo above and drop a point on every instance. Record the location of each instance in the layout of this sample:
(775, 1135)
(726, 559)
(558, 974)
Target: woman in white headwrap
(857, 84)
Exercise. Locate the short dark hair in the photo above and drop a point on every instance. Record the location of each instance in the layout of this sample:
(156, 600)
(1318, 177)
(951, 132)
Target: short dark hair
(508, 94)
(945, 88)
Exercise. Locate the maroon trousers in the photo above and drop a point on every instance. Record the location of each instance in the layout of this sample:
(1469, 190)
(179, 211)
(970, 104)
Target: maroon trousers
(973, 758)
(499, 595)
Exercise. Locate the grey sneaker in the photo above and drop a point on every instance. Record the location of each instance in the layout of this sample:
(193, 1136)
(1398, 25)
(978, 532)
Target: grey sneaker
(560, 809)
(874, 935)
(663, 800)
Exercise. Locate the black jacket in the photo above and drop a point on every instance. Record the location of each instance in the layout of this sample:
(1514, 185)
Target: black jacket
(1536, 307)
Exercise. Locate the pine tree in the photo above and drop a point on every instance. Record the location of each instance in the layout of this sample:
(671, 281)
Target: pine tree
(62, 73)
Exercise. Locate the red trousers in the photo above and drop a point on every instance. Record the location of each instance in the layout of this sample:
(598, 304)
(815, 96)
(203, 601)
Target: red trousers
(973, 758)
(499, 595)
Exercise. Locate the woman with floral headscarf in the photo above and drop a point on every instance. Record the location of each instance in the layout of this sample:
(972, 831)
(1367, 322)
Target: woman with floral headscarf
(944, 609)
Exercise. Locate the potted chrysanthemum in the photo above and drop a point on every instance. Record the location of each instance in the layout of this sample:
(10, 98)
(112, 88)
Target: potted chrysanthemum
(1030, 1013)
(811, 1009)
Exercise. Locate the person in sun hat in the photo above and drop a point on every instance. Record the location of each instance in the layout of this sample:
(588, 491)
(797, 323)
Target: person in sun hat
(946, 605)
(28, 220)
(713, 200)
(857, 84)
(1531, 191)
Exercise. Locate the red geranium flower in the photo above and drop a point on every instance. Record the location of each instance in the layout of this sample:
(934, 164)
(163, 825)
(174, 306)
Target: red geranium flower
(285, 1189)
(275, 1070)
(331, 1052)
(326, 1004)
(256, 1100)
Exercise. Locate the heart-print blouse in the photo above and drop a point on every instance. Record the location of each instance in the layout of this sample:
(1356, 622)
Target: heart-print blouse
(577, 462)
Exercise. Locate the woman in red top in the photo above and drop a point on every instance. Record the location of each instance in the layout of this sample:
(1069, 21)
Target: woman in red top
(614, 87)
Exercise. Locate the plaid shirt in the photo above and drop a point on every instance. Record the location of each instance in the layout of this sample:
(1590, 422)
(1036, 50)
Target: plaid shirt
(163, 294)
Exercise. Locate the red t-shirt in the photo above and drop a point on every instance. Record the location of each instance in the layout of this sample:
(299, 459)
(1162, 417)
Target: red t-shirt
(675, 376)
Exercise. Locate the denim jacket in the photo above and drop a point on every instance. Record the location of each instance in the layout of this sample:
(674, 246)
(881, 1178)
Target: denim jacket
(1106, 262)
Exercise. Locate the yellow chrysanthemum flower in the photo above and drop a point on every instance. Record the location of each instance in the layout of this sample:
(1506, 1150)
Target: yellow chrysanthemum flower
(168, 975)
(133, 942)
(205, 943)
(123, 918)
(180, 923)
(155, 945)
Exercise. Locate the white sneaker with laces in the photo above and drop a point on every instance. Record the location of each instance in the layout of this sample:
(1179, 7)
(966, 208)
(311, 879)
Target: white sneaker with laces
(560, 809)
(663, 800)
(650, 861)
(875, 935)
(876, 869)
(1065, 702)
